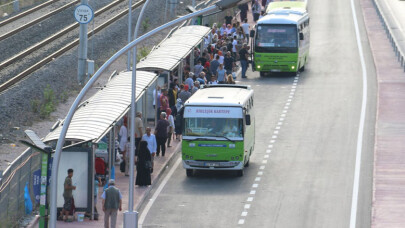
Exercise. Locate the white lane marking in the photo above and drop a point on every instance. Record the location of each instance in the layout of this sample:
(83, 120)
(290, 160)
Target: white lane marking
(284, 111)
(278, 128)
(272, 141)
(250, 199)
(252, 192)
(290, 97)
(268, 151)
(359, 148)
(244, 214)
(283, 115)
(247, 206)
(292, 93)
(280, 123)
(289, 100)
(260, 173)
(156, 194)
(262, 167)
(274, 136)
(270, 146)
(275, 132)
(266, 156)
(281, 119)
(293, 86)
(287, 104)
(241, 221)
(264, 161)
(258, 178)
(255, 185)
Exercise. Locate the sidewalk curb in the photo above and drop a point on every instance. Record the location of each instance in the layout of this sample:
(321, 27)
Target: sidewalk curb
(169, 162)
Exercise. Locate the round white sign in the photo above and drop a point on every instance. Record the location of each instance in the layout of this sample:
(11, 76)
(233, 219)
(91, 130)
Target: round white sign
(83, 14)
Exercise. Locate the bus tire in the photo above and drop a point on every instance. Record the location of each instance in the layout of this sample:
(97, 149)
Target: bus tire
(302, 69)
(190, 172)
(262, 74)
(239, 173)
(247, 163)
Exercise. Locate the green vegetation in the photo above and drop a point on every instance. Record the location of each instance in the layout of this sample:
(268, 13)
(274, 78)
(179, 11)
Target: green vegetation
(48, 103)
(142, 53)
(145, 24)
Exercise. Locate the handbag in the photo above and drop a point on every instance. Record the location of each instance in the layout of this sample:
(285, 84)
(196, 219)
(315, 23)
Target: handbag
(148, 165)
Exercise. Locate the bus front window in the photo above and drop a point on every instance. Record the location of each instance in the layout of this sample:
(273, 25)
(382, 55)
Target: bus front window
(215, 127)
(276, 38)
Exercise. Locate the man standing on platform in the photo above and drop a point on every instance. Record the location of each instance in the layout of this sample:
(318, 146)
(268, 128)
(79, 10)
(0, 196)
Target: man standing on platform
(243, 58)
(112, 202)
(138, 130)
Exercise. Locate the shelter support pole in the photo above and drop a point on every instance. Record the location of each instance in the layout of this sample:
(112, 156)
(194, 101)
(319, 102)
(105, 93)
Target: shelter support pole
(192, 61)
(180, 72)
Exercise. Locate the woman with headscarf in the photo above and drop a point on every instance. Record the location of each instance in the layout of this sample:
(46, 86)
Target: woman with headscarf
(171, 127)
(144, 165)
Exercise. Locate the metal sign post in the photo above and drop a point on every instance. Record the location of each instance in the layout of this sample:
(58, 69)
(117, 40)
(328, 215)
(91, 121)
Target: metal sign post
(83, 14)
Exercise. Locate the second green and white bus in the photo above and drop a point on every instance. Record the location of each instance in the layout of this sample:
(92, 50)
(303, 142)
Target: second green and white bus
(281, 42)
(218, 129)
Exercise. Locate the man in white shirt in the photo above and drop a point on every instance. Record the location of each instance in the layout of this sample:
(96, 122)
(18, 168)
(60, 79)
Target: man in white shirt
(151, 140)
(245, 26)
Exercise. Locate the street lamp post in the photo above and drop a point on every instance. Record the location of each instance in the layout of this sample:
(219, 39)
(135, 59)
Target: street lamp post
(131, 216)
(222, 5)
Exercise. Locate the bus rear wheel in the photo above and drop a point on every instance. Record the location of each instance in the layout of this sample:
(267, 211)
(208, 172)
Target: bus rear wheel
(302, 69)
(190, 172)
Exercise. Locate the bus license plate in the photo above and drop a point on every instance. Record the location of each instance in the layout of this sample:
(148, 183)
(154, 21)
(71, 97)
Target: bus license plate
(211, 164)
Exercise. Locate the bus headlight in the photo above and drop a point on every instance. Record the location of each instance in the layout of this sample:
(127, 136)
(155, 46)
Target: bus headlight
(258, 66)
(191, 144)
(293, 67)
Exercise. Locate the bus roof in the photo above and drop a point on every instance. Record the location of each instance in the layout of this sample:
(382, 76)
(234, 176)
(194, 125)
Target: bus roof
(282, 18)
(286, 5)
(221, 95)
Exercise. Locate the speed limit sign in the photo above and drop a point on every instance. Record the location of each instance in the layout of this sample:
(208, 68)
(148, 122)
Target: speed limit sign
(83, 14)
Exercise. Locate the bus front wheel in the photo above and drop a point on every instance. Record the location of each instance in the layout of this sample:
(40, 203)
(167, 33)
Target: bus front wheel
(262, 74)
(190, 172)
(239, 173)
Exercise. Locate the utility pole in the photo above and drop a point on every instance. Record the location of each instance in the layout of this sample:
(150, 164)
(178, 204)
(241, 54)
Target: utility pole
(83, 16)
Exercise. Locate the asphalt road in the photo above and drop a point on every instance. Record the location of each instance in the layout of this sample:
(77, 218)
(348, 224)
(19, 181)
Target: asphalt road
(302, 170)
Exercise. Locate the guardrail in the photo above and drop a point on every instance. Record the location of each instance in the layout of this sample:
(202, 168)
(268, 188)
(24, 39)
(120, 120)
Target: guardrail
(12, 186)
(394, 38)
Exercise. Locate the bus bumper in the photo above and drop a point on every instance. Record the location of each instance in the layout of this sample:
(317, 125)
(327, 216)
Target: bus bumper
(206, 165)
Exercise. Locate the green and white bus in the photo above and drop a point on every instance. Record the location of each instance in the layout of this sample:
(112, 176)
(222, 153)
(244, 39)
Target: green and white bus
(218, 129)
(281, 38)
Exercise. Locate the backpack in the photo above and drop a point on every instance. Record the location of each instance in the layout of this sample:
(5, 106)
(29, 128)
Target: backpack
(100, 166)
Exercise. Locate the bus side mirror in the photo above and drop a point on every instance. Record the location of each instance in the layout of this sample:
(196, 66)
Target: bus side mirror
(247, 118)
(252, 33)
(301, 36)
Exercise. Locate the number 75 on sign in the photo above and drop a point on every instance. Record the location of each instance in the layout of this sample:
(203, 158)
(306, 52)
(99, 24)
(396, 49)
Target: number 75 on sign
(83, 14)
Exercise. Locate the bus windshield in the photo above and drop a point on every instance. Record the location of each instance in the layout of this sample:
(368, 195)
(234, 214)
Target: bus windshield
(276, 38)
(214, 127)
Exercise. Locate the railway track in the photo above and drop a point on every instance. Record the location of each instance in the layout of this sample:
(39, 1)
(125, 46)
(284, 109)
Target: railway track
(61, 49)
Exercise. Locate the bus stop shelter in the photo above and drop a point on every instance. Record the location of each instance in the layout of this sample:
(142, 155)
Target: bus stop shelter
(92, 127)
